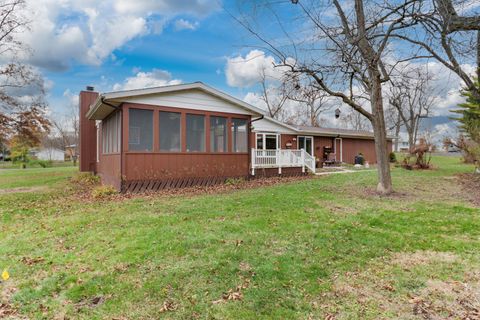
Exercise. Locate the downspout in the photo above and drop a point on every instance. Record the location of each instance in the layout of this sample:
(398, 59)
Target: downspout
(251, 121)
(249, 140)
(120, 109)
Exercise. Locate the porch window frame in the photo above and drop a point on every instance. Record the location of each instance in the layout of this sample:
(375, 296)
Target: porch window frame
(264, 135)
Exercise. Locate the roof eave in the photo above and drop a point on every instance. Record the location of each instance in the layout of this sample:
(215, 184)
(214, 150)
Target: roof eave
(117, 96)
(99, 110)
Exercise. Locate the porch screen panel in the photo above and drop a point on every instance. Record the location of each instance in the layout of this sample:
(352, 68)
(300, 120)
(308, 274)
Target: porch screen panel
(218, 134)
(140, 130)
(170, 132)
(239, 135)
(195, 133)
(110, 134)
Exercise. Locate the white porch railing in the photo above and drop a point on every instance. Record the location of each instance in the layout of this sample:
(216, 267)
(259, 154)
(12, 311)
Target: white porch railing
(282, 158)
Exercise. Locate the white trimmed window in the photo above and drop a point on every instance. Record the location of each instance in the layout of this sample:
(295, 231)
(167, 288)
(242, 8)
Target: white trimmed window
(267, 141)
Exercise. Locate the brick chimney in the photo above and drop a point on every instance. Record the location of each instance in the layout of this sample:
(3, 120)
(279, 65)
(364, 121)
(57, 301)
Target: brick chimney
(88, 132)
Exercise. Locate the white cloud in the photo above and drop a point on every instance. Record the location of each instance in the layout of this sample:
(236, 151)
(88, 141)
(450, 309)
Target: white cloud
(247, 71)
(88, 31)
(182, 24)
(154, 78)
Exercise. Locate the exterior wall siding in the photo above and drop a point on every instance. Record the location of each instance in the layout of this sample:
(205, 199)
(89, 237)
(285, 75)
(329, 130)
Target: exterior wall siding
(319, 143)
(108, 169)
(158, 166)
(352, 147)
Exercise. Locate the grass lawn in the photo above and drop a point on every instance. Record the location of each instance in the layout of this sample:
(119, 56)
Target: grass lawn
(322, 248)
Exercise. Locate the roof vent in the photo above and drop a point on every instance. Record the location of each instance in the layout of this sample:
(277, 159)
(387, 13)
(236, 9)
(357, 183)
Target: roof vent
(90, 88)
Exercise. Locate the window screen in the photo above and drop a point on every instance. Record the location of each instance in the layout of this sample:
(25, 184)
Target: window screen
(239, 135)
(195, 133)
(218, 134)
(111, 138)
(170, 132)
(140, 133)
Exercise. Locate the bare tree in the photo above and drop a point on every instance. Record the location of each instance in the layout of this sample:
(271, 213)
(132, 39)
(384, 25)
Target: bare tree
(412, 97)
(344, 54)
(22, 105)
(312, 103)
(451, 39)
(275, 94)
(355, 121)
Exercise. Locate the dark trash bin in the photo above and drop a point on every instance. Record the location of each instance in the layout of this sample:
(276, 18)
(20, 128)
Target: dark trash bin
(359, 159)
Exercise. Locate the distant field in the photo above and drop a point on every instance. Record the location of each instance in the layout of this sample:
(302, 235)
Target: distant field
(322, 248)
(11, 165)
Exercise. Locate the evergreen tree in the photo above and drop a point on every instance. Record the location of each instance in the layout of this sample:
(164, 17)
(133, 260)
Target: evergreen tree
(470, 123)
(470, 114)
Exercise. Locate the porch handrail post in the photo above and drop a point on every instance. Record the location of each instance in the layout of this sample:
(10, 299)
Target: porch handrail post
(253, 161)
(279, 161)
(303, 160)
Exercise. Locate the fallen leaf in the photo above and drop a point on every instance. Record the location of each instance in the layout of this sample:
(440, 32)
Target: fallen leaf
(31, 261)
(168, 305)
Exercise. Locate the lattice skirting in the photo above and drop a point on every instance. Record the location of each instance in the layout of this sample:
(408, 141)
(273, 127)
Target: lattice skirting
(136, 186)
(273, 172)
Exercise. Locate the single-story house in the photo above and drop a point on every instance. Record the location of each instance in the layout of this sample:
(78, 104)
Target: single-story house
(192, 134)
(48, 154)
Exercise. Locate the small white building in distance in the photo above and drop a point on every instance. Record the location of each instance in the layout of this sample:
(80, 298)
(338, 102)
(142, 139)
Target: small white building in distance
(49, 154)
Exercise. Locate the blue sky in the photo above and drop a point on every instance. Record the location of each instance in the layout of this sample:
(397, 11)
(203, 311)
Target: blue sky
(125, 44)
(198, 52)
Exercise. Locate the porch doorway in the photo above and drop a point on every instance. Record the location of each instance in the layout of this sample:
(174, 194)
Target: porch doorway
(306, 143)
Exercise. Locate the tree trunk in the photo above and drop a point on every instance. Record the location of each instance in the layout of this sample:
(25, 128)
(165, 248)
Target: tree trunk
(380, 133)
(411, 140)
(397, 131)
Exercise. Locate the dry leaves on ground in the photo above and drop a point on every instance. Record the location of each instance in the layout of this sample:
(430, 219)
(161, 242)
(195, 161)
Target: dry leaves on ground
(234, 294)
(31, 261)
(168, 305)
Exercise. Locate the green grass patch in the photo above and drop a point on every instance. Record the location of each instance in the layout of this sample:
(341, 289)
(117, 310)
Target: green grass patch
(278, 252)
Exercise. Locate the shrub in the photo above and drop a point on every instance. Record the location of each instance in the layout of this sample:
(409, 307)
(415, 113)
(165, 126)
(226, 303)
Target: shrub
(392, 157)
(85, 179)
(41, 163)
(101, 192)
(419, 157)
(234, 181)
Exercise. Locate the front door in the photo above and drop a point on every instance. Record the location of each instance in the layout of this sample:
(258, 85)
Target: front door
(306, 143)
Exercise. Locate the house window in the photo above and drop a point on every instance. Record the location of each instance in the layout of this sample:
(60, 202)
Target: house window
(268, 141)
(239, 135)
(306, 143)
(195, 133)
(218, 134)
(111, 133)
(170, 132)
(140, 130)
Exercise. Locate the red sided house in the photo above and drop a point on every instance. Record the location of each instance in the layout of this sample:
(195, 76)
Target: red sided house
(192, 134)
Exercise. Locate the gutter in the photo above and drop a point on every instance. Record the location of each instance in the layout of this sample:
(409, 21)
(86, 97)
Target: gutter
(251, 121)
(102, 99)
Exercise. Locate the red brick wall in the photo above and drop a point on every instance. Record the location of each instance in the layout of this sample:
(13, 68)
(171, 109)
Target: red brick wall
(88, 133)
